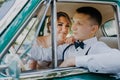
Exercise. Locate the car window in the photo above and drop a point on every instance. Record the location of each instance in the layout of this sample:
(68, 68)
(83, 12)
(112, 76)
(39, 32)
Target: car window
(20, 48)
(27, 38)
(22, 45)
(109, 28)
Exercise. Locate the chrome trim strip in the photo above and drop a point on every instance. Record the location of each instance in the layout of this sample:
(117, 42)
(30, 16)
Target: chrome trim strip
(86, 1)
(53, 73)
(54, 34)
(44, 14)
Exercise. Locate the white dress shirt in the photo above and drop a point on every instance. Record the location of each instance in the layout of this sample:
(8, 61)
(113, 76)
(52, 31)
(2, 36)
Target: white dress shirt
(39, 53)
(102, 62)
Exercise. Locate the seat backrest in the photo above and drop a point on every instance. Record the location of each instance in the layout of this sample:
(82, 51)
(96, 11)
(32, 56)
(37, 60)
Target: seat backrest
(110, 41)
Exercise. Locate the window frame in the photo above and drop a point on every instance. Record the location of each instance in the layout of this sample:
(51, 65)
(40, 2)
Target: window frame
(33, 74)
(104, 31)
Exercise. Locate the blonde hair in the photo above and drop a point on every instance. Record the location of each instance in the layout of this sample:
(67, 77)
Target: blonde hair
(59, 14)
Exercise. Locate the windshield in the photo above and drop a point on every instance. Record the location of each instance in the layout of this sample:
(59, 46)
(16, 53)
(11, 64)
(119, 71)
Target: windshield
(8, 10)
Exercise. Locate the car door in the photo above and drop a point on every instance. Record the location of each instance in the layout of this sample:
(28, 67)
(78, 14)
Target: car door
(29, 23)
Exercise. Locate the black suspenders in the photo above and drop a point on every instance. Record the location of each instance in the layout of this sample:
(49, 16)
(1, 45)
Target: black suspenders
(87, 51)
(65, 50)
(68, 47)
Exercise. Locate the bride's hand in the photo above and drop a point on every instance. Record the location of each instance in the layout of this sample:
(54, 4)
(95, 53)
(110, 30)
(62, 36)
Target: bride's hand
(70, 40)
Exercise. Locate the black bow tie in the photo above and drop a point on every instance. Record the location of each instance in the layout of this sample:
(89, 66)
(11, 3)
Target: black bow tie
(79, 44)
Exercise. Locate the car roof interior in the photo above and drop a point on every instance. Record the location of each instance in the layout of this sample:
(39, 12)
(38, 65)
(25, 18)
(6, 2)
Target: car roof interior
(70, 8)
(106, 10)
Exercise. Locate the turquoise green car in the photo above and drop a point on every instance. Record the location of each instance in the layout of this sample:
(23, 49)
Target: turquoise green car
(22, 21)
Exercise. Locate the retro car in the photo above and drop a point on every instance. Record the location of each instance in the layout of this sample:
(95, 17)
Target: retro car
(22, 21)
